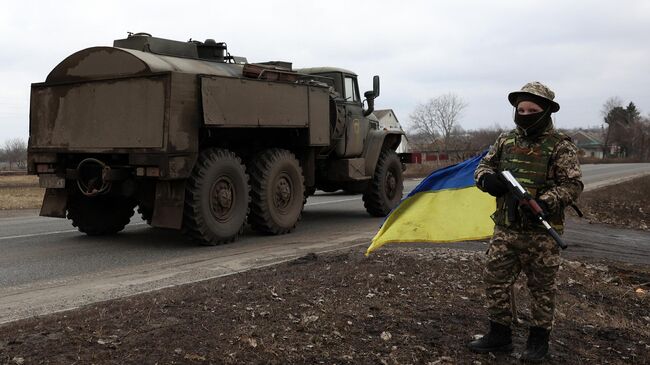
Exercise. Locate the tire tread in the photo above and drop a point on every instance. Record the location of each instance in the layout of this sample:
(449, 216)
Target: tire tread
(194, 224)
(260, 170)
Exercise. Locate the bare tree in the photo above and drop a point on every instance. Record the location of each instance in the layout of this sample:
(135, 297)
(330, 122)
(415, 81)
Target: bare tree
(643, 138)
(609, 104)
(438, 117)
(625, 128)
(15, 152)
(484, 137)
(610, 111)
(422, 118)
(418, 141)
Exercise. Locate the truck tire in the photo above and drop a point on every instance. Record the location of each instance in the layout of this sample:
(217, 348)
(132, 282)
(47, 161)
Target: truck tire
(216, 198)
(277, 191)
(100, 215)
(385, 189)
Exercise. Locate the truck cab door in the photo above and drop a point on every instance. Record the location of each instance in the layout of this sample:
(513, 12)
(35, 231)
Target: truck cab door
(356, 124)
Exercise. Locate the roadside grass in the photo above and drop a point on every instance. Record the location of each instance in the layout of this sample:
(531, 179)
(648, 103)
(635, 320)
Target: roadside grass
(20, 192)
(21, 198)
(18, 181)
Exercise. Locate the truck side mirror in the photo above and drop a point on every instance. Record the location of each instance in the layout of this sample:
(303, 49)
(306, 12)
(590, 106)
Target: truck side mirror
(374, 93)
(371, 95)
(375, 85)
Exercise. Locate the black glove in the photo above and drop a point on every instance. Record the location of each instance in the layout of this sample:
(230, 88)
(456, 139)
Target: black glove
(493, 185)
(545, 208)
(528, 211)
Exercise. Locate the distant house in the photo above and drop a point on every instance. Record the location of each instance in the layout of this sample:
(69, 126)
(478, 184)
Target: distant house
(589, 143)
(388, 121)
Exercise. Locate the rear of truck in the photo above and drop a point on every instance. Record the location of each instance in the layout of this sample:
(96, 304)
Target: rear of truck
(112, 126)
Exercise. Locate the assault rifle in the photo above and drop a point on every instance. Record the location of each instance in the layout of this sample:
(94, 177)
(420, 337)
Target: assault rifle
(525, 198)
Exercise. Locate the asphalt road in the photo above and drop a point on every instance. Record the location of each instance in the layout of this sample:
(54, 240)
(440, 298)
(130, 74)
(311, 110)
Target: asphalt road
(46, 265)
(595, 176)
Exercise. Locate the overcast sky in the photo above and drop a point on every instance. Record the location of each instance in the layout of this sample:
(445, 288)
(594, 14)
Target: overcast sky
(586, 51)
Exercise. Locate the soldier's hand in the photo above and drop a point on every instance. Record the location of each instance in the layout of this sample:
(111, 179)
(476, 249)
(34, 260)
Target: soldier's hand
(493, 185)
(545, 208)
(530, 214)
(527, 211)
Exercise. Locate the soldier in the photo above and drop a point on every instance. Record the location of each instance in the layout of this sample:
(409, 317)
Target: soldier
(545, 162)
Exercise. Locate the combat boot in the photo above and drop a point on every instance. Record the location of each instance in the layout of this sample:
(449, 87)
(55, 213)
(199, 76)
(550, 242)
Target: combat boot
(537, 345)
(498, 339)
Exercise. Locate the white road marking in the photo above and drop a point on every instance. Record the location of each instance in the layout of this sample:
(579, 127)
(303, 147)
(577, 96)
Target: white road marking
(136, 224)
(50, 233)
(37, 234)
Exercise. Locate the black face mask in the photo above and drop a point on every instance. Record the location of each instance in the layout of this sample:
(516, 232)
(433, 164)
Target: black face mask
(533, 124)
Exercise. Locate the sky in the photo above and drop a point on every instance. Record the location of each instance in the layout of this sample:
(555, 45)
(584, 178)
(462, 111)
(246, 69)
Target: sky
(586, 51)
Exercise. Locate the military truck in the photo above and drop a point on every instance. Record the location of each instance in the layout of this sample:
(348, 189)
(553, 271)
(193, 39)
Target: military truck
(203, 141)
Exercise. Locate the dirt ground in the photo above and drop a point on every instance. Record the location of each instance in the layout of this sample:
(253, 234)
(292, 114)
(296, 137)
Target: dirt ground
(401, 305)
(398, 306)
(622, 205)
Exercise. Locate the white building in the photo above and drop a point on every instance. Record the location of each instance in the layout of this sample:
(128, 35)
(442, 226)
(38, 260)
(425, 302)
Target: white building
(388, 121)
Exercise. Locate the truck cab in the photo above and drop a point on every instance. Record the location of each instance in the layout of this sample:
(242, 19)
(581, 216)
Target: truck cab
(358, 121)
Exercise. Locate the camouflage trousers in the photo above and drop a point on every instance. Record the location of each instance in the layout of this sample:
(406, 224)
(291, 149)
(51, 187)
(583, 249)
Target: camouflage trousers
(536, 254)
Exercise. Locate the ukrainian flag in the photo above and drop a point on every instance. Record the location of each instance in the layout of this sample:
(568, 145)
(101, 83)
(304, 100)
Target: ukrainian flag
(445, 207)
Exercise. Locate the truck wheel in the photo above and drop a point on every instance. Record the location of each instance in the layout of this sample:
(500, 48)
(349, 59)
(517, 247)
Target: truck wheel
(100, 215)
(385, 190)
(277, 191)
(216, 198)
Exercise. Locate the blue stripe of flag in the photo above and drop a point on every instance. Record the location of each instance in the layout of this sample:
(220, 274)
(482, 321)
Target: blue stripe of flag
(460, 175)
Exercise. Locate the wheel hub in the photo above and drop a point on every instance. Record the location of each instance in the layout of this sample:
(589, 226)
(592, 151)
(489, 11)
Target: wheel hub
(222, 197)
(283, 192)
(391, 185)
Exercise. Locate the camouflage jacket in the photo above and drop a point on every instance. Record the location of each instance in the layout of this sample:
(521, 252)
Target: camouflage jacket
(564, 169)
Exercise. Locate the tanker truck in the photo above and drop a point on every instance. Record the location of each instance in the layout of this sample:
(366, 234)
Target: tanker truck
(202, 141)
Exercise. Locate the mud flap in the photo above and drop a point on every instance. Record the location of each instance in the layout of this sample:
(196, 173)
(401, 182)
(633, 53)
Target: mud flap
(55, 203)
(168, 207)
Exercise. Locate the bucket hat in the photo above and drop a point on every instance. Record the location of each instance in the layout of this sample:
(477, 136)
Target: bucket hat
(536, 89)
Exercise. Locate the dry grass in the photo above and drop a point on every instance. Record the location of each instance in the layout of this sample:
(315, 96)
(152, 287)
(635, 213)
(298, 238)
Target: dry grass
(21, 198)
(20, 192)
(18, 181)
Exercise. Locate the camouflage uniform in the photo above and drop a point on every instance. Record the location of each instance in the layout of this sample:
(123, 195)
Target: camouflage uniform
(522, 245)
